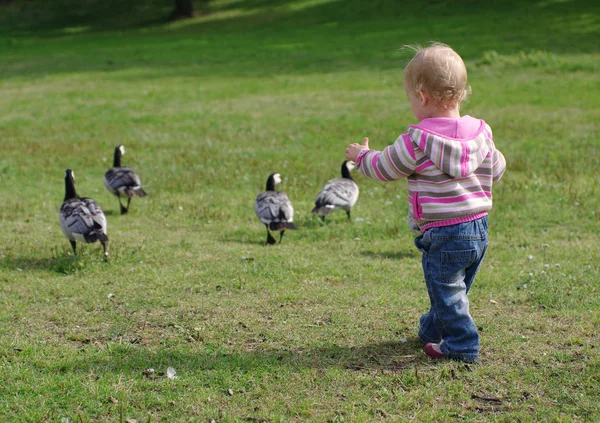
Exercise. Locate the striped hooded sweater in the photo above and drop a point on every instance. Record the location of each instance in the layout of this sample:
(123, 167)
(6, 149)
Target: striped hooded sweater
(450, 165)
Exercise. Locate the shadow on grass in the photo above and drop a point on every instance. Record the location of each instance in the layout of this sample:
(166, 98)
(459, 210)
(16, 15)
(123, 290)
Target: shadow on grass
(245, 239)
(64, 264)
(394, 255)
(382, 357)
(61, 262)
(242, 237)
(290, 237)
(315, 221)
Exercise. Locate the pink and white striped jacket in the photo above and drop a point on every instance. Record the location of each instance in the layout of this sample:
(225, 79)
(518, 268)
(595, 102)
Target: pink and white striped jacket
(450, 165)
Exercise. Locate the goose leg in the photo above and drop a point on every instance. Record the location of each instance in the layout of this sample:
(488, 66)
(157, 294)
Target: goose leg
(281, 236)
(348, 213)
(74, 245)
(123, 208)
(270, 239)
(323, 218)
(104, 248)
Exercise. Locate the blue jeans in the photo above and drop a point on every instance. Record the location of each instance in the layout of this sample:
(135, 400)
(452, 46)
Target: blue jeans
(451, 257)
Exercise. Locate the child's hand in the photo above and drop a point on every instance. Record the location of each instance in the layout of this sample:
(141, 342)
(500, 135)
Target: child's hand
(354, 150)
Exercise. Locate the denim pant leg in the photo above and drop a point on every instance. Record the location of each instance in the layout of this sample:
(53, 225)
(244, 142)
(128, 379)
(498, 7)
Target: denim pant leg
(472, 270)
(430, 327)
(451, 258)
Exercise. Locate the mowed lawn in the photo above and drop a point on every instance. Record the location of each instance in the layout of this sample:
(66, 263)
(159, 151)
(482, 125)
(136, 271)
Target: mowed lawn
(322, 327)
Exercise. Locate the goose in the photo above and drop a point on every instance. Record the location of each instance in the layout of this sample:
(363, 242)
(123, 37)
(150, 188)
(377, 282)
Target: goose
(81, 218)
(338, 193)
(123, 181)
(274, 209)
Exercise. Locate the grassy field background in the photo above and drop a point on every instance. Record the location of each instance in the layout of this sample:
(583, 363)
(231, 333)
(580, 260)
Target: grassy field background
(322, 327)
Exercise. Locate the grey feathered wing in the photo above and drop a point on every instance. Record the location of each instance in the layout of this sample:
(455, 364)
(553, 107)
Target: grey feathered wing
(274, 208)
(81, 219)
(338, 193)
(123, 181)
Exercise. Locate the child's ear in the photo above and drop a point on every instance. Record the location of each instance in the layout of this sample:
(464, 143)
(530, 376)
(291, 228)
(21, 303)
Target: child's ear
(423, 98)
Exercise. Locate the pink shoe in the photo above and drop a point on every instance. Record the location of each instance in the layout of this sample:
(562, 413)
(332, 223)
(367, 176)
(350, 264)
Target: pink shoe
(433, 350)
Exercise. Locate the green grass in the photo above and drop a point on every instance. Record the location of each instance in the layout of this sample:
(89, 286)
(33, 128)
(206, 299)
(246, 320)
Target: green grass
(323, 326)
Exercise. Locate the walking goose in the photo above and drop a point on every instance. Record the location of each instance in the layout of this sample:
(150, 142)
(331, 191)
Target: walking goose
(338, 193)
(81, 219)
(274, 209)
(123, 181)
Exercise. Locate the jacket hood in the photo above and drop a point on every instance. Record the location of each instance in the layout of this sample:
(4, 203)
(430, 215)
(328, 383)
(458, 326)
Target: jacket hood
(456, 146)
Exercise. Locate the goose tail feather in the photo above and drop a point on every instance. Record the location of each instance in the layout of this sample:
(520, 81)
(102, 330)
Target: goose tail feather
(278, 226)
(95, 236)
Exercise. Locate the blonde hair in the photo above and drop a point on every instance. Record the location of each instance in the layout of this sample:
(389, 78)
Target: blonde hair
(439, 71)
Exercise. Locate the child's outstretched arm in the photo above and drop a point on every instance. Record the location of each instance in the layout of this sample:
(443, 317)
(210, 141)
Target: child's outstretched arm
(396, 161)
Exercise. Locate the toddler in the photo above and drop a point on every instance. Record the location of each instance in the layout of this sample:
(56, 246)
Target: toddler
(450, 162)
